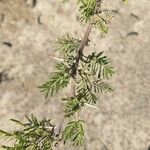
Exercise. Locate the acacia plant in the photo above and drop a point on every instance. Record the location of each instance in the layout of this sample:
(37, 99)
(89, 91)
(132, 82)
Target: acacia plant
(87, 75)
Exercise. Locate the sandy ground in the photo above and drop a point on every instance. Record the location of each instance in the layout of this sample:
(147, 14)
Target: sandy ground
(27, 33)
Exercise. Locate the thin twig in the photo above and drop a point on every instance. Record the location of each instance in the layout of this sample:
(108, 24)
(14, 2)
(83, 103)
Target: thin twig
(79, 56)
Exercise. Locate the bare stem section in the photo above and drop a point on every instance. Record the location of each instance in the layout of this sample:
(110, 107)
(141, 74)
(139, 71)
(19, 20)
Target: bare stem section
(83, 43)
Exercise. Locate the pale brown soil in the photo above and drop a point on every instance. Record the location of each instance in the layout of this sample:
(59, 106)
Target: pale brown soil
(26, 44)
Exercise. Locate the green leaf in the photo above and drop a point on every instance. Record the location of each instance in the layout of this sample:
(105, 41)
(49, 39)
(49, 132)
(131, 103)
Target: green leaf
(87, 96)
(17, 122)
(100, 86)
(84, 89)
(73, 105)
(102, 26)
(107, 71)
(34, 135)
(67, 45)
(4, 133)
(87, 9)
(94, 69)
(57, 80)
(74, 132)
(97, 65)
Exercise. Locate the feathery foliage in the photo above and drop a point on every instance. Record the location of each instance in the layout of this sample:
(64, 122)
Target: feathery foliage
(91, 11)
(33, 135)
(87, 9)
(67, 45)
(73, 105)
(57, 80)
(98, 66)
(74, 132)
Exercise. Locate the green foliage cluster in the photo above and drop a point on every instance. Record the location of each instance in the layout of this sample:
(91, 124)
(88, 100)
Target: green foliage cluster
(93, 69)
(92, 12)
(92, 75)
(57, 80)
(74, 132)
(33, 135)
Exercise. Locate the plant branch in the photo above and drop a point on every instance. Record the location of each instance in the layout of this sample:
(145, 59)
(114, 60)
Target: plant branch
(74, 71)
(75, 65)
(82, 45)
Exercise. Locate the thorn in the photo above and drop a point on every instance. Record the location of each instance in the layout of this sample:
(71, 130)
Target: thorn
(92, 106)
(91, 42)
(58, 128)
(56, 58)
(100, 109)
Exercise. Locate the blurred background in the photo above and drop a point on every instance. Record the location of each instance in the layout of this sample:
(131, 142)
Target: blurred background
(27, 32)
